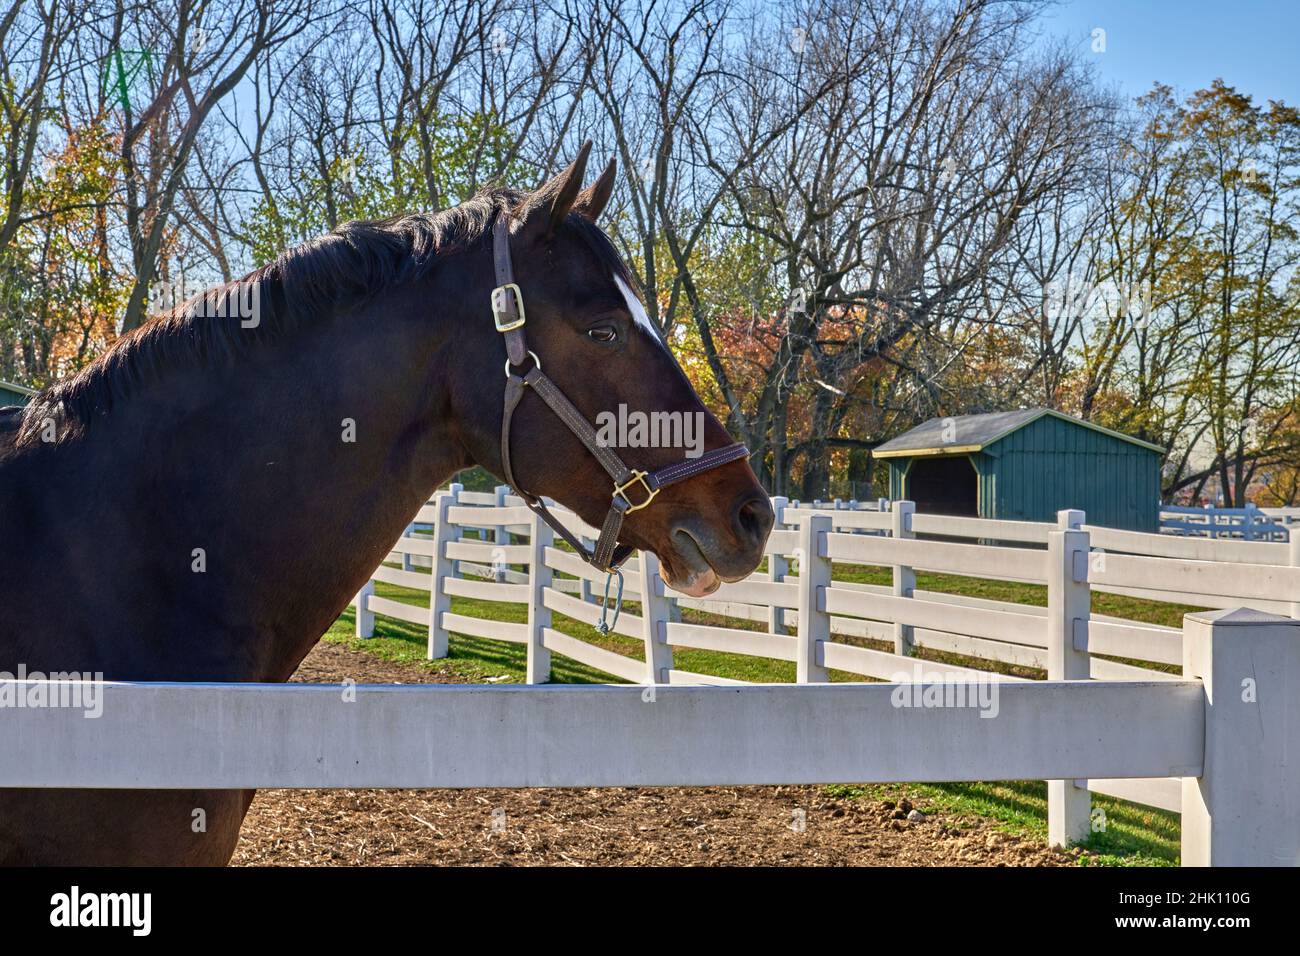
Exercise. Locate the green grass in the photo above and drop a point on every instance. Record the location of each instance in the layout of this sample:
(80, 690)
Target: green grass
(1134, 835)
(1114, 605)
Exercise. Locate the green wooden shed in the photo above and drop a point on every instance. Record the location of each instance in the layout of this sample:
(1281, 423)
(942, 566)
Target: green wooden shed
(1026, 465)
(11, 394)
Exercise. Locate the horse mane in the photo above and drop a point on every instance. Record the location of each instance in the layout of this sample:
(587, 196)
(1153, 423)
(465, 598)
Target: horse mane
(339, 270)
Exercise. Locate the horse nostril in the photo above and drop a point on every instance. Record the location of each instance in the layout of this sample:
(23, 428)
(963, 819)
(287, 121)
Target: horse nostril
(754, 518)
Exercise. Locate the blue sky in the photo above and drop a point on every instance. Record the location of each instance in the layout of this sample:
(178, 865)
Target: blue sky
(1253, 45)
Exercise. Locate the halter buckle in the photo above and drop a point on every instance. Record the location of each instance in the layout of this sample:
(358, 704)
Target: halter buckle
(502, 318)
(620, 491)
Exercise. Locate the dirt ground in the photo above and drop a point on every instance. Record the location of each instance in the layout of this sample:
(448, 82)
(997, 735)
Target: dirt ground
(714, 826)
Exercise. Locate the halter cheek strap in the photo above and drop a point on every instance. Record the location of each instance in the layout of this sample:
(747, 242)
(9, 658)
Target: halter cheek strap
(633, 489)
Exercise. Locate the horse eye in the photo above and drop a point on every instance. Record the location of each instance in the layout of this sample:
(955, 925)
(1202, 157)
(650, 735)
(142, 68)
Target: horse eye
(603, 333)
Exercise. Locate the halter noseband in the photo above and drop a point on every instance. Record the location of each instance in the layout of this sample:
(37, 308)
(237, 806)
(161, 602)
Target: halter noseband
(629, 483)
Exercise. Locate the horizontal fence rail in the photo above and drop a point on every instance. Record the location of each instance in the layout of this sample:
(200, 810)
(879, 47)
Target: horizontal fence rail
(180, 736)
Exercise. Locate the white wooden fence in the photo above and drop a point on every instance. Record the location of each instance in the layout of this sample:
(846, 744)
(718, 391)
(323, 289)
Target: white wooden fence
(1238, 784)
(1211, 742)
(828, 618)
(1249, 523)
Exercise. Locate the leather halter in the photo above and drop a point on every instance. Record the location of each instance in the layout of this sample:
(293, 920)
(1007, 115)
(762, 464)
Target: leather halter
(508, 314)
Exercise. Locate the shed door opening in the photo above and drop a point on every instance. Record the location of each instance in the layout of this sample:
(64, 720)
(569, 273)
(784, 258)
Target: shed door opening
(944, 486)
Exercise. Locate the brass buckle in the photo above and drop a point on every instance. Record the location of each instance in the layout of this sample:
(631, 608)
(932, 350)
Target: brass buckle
(620, 491)
(506, 325)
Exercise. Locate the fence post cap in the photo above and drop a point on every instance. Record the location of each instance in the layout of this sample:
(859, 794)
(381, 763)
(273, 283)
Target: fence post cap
(1239, 617)
(1070, 518)
(816, 525)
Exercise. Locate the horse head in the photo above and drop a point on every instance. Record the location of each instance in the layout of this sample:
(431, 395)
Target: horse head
(588, 329)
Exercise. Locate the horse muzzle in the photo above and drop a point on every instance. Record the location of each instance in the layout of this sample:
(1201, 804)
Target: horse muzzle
(706, 553)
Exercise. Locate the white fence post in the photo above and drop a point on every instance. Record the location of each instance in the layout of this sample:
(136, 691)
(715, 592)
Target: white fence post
(1069, 602)
(584, 586)
(406, 555)
(1243, 810)
(453, 491)
(777, 566)
(814, 623)
(500, 536)
(441, 568)
(365, 616)
(540, 576)
(1293, 555)
(904, 576)
(656, 611)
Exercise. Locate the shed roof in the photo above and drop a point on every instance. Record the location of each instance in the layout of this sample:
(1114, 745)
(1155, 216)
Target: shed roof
(16, 389)
(962, 434)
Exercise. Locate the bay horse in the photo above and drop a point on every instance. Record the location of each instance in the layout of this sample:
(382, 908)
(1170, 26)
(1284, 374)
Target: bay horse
(291, 451)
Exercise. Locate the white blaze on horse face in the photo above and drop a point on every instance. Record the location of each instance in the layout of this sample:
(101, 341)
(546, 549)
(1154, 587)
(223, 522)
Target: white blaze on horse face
(637, 309)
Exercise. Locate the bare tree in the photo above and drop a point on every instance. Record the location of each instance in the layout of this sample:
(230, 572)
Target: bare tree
(896, 198)
(189, 56)
(30, 36)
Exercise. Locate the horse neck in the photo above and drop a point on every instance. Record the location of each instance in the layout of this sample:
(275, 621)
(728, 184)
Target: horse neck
(294, 469)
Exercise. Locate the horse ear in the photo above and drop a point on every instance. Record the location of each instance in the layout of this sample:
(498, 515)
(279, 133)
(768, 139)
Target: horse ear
(554, 200)
(591, 201)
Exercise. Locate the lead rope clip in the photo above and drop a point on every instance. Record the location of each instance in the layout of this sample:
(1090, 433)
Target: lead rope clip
(603, 627)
